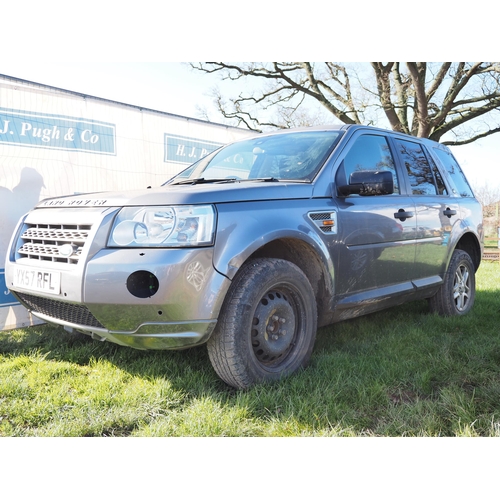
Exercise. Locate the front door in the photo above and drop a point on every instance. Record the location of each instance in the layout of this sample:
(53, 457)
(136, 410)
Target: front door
(375, 249)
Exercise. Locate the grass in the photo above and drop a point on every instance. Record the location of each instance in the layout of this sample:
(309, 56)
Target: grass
(401, 372)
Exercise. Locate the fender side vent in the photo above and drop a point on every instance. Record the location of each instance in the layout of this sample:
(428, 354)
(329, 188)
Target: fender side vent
(326, 222)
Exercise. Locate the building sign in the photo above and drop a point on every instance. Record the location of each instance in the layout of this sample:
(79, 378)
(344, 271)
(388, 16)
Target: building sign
(42, 130)
(187, 150)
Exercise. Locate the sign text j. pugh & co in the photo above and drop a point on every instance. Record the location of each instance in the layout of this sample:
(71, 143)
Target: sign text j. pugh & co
(58, 132)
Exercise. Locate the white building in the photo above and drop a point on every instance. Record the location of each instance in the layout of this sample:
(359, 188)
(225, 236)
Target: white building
(55, 142)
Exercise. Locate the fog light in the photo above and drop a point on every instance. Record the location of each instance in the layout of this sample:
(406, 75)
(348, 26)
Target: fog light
(142, 284)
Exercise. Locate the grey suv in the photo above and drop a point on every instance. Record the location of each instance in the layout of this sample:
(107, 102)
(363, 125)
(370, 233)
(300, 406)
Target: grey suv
(255, 246)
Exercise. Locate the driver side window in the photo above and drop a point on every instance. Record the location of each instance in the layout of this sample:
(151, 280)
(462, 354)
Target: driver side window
(371, 152)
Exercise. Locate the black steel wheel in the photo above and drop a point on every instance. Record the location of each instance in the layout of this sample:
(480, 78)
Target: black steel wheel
(457, 293)
(267, 325)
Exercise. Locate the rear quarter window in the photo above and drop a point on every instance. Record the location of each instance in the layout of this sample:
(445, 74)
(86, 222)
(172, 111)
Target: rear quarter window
(455, 172)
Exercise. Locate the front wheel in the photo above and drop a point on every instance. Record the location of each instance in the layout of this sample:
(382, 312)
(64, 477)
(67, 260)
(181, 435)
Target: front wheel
(457, 293)
(267, 325)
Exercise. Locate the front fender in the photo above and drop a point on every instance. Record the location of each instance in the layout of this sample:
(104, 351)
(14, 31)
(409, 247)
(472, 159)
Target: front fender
(244, 228)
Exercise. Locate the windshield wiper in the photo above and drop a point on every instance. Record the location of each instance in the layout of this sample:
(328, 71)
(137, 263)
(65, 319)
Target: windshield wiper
(263, 179)
(202, 180)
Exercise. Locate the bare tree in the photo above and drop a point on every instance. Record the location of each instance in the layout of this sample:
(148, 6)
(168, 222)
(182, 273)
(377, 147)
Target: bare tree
(423, 99)
(489, 197)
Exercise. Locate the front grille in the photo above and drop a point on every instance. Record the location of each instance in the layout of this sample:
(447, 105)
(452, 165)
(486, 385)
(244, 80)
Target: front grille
(71, 313)
(54, 242)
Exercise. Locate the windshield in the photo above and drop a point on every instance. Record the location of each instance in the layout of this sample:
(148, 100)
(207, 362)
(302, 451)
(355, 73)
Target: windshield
(296, 156)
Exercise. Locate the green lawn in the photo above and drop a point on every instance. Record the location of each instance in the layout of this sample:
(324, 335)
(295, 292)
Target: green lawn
(401, 372)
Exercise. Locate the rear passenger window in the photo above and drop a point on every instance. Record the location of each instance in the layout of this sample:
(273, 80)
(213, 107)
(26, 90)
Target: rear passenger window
(371, 152)
(424, 176)
(456, 174)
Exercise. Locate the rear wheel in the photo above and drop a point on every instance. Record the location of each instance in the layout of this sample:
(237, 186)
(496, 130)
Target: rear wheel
(267, 326)
(457, 293)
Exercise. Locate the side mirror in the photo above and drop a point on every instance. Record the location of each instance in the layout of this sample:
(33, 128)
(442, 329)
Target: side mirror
(368, 183)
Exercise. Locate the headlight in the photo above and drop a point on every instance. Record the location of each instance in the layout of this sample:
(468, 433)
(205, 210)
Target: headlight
(190, 225)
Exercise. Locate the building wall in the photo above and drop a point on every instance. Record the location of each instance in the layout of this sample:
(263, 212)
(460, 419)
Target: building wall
(55, 142)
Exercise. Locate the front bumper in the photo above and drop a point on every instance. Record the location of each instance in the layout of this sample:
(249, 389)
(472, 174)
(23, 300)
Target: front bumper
(96, 295)
(153, 335)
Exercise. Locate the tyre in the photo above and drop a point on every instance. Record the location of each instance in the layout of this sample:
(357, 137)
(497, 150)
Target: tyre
(267, 325)
(457, 293)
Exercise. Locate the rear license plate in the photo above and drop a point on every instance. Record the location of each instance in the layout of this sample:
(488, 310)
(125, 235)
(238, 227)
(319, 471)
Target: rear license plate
(38, 280)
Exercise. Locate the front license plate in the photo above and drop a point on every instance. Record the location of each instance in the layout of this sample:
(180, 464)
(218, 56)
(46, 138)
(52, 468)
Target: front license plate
(38, 280)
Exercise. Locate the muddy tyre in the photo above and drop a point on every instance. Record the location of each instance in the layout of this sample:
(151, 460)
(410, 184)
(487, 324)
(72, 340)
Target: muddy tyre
(267, 326)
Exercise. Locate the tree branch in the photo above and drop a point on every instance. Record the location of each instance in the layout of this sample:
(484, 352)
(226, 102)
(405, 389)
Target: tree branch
(424, 99)
(384, 90)
(472, 139)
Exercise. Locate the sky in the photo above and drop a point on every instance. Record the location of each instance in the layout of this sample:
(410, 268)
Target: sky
(174, 87)
(171, 87)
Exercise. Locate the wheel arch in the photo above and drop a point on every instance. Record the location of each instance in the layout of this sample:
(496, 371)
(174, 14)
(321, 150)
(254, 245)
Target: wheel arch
(307, 259)
(469, 243)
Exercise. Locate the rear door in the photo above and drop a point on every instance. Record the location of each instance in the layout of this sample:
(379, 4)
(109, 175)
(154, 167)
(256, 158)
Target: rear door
(436, 211)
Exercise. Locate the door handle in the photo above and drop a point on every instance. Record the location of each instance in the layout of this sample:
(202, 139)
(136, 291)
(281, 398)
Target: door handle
(449, 212)
(402, 214)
